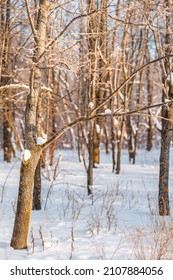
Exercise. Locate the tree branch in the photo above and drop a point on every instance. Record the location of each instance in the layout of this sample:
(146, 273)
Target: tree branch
(127, 80)
(65, 28)
(101, 115)
(31, 21)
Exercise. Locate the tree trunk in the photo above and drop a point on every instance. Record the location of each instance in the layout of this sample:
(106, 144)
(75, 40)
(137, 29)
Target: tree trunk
(102, 77)
(164, 172)
(37, 176)
(119, 147)
(91, 159)
(166, 135)
(150, 123)
(5, 80)
(167, 127)
(93, 60)
(7, 132)
(36, 205)
(24, 204)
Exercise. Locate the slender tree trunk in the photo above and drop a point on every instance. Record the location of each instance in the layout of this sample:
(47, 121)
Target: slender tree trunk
(93, 60)
(36, 205)
(166, 135)
(53, 119)
(167, 127)
(91, 159)
(150, 123)
(5, 80)
(102, 45)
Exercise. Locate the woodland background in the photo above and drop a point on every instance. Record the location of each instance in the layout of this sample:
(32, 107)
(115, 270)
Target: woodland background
(93, 76)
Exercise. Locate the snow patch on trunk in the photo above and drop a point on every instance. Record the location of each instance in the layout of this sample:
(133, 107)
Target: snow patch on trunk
(98, 128)
(25, 155)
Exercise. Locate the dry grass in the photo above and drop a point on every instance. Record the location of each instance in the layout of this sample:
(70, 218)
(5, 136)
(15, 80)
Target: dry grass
(155, 243)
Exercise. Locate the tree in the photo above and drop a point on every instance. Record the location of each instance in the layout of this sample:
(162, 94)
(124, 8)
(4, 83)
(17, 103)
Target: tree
(32, 153)
(167, 116)
(6, 79)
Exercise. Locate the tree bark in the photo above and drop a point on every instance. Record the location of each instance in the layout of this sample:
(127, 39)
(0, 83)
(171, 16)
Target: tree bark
(167, 127)
(36, 205)
(25, 195)
(5, 79)
(24, 203)
(91, 159)
(93, 60)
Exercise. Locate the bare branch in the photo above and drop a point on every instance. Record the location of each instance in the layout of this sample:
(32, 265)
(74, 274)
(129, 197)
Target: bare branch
(127, 80)
(31, 21)
(102, 115)
(63, 31)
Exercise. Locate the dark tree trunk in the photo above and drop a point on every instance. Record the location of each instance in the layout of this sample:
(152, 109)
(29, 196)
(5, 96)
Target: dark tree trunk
(91, 159)
(167, 127)
(150, 123)
(37, 188)
(164, 208)
(5, 80)
(7, 133)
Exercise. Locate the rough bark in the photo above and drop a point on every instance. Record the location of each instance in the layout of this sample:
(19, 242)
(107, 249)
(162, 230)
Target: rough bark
(166, 135)
(36, 205)
(24, 204)
(167, 127)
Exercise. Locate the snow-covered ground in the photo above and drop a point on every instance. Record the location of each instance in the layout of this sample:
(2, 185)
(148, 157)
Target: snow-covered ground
(119, 222)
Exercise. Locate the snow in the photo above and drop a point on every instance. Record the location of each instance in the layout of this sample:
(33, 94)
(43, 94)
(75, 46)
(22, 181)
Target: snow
(98, 128)
(108, 112)
(25, 155)
(22, 86)
(157, 123)
(90, 105)
(170, 77)
(155, 117)
(40, 140)
(120, 221)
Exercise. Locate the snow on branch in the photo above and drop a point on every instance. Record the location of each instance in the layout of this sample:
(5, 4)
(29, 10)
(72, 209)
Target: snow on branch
(40, 140)
(158, 125)
(22, 86)
(91, 116)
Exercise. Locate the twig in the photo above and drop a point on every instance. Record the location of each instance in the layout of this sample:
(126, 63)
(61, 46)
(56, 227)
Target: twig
(54, 177)
(3, 186)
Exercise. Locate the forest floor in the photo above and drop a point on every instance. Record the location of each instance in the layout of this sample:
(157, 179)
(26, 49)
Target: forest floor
(120, 221)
